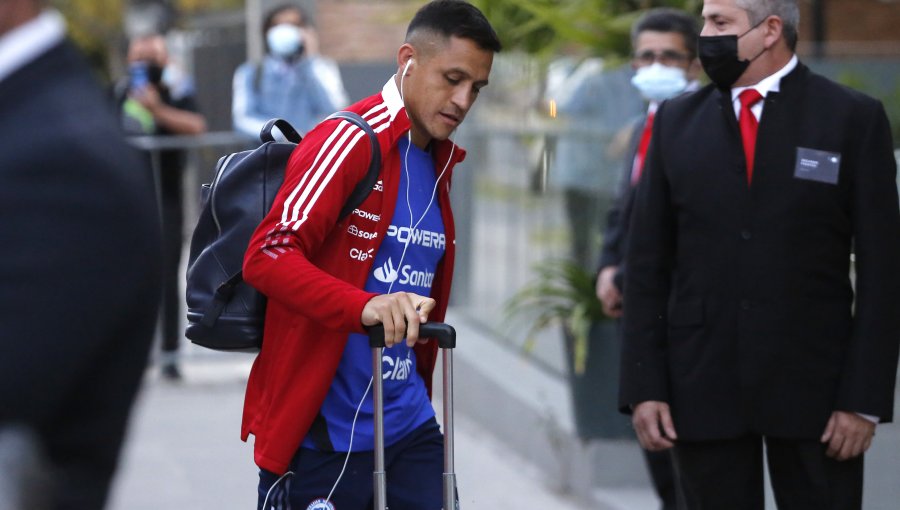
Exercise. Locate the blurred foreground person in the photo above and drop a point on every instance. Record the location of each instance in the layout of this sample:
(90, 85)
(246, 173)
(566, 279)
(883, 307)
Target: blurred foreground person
(79, 267)
(742, 325)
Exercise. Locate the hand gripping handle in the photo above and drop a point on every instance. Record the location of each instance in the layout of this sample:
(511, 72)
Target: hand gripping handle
(444, 333)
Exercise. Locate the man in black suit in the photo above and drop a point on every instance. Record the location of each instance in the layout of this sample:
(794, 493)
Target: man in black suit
(80, 258)
(743, 327)
(664, 43)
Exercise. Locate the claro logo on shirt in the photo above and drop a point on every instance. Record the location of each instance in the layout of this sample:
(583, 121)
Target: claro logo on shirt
(397, 369)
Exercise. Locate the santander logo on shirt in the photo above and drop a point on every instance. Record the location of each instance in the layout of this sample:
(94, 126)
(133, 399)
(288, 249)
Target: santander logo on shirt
(388, 273)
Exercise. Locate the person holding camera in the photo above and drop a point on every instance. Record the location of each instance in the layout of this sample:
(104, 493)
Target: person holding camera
(153, 101)
(293, 81)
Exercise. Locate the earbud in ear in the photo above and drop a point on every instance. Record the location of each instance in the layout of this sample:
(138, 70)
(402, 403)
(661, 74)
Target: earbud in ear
(408, 63)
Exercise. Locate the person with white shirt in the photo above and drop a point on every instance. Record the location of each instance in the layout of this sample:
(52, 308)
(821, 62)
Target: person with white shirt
(744, 326)
(293, 81)
(79, 272)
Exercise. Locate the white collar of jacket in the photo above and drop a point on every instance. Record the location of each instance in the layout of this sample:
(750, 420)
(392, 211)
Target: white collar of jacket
(28, 41)
(391, 95)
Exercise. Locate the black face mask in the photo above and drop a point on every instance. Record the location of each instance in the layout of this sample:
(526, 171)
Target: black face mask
(719, 58)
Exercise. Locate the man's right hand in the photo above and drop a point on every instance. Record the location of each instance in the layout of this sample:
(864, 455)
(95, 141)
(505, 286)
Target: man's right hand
(653, 423)
(609, 295)
(400, 313)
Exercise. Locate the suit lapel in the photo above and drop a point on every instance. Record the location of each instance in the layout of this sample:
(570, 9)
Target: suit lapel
(778, 130)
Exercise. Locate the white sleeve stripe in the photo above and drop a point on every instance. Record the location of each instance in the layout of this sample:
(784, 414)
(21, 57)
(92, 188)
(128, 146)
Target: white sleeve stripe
(325, 148)
(323, 172)
(377, 108)
(320, 179)
(359, 134)
(312, 183)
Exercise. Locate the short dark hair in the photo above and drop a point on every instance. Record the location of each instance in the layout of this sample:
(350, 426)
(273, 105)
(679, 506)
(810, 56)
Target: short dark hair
(455, 18)
(666, 19)
(269, 19)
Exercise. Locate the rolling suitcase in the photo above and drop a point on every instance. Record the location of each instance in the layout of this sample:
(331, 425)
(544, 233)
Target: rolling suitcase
(446, 337)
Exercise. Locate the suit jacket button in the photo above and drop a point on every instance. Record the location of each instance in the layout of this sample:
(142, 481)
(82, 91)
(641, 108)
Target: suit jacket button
(745, 304)
(745, 235)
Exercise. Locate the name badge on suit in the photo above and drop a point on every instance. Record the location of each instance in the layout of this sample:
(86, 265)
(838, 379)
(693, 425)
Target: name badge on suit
(816, 165)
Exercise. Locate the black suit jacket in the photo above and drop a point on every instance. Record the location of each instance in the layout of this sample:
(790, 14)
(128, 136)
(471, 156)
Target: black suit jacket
(740, 305)
(618, 218)
(79, 270)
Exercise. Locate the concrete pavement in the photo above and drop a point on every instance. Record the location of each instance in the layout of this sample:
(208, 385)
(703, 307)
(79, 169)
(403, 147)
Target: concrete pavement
(184, 451)
(515, 445)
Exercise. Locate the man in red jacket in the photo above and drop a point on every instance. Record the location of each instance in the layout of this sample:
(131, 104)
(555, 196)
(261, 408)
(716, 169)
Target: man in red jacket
(389, 262)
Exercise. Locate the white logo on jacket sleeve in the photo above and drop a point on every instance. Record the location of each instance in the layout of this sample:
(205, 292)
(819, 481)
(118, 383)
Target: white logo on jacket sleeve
(367, 215)
(355, 231)
(362, 256)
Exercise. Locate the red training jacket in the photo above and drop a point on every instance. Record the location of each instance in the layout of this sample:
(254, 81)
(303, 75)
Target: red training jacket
(312, 269)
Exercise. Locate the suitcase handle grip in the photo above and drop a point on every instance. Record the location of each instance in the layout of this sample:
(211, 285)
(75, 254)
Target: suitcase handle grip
(444, 333)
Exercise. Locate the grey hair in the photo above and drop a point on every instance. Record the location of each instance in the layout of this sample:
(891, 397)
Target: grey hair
(787, 10)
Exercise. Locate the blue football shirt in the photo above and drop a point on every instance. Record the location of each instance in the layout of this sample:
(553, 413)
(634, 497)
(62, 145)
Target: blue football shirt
(406, 261)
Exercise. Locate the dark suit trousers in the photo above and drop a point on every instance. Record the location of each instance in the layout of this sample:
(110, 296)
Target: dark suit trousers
(728, 474)
(173, 243)
(662, 474)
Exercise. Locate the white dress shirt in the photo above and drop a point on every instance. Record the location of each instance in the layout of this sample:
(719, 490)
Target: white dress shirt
(26, 42)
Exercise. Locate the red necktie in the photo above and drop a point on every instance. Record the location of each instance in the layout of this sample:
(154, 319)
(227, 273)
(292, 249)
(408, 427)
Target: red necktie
(748, 124)
(638, 165)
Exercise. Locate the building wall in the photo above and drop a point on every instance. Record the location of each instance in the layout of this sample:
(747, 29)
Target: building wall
(855, 27)
(363, 30)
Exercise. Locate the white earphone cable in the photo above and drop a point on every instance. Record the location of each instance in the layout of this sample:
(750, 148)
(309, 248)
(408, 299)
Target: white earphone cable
(412, 227)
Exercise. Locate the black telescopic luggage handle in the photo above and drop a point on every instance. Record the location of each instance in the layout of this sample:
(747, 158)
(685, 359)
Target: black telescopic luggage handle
(444, 333)
(446, 337)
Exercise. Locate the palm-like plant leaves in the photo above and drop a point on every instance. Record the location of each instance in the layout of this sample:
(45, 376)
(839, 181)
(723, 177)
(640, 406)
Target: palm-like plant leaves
(562, 292)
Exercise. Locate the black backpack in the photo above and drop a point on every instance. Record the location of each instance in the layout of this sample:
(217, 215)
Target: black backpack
(224, 312)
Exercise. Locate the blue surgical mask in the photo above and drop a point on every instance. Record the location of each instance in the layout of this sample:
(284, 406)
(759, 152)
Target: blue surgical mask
(285, 40)
(657, 82)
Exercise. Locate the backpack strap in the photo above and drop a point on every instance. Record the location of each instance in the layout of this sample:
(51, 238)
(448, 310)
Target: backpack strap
(224, 293)
(363, 187)
(287, 130)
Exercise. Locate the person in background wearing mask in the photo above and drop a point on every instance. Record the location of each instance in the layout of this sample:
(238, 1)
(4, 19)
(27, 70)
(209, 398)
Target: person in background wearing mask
(293, 81)
(152, 102)
(593, 101)
(664, 43)
(743, 326)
